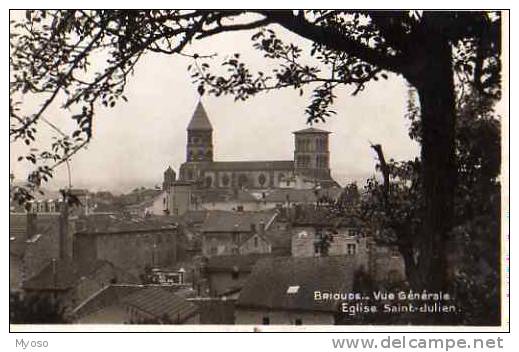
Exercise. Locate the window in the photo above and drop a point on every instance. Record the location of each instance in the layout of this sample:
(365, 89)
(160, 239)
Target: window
(208, 181)
(351, 249)
(262, 179)
(255, 242)
(243, 181)
(298, 321)
(213, 250)
(266, 321)
(235, 274)
(225, 180)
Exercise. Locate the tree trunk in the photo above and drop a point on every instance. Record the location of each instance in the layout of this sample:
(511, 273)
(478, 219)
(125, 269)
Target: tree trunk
(436, 92)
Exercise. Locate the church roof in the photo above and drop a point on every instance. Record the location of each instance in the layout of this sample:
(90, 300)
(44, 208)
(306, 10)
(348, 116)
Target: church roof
(281, 165)
(311, 130)
(199, 121)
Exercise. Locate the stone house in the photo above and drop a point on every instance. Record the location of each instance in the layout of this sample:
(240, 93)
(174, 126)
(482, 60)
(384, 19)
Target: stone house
(231, 233)
(305, 244)
(225, 275)
(131, 244)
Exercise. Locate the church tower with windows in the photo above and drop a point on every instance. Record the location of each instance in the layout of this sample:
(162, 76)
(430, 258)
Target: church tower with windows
(199, 137)
(309, 168)
(311, 153)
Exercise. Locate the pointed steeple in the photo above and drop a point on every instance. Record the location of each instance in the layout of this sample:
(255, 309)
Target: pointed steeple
(199, 121)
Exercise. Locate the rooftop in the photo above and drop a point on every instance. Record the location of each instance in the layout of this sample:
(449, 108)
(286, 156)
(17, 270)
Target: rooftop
(62, 274)
(117, 293)
(114, 224)
(273, 282)
(236, 221)
(240, 263)
(260, 165)
(311, 130)
(199, 121)
(160, 302)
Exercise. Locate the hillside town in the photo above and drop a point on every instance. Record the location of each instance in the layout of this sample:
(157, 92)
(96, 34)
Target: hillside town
(244, 242)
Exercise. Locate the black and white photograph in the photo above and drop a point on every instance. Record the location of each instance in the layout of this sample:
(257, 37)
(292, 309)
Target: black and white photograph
(258, 170)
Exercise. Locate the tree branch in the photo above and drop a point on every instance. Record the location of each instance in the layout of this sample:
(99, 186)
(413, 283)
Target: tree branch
(235, 27)
(335, 40)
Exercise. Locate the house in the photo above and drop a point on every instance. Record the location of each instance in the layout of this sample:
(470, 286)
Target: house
(225, 275)
(383, 263)
(387, 265)
(306, 243)
(277, 198)
(34, 239)
(227, 200)
(226, 233)
(70, 283)
(156, 205)
(215, 310)
(281, 290)
(132, 244)
(137, 304)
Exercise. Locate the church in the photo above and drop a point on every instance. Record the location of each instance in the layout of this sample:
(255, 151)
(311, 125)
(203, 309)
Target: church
(310, 167)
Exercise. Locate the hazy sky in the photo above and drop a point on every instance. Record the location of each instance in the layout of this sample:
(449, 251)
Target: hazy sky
(135, 141)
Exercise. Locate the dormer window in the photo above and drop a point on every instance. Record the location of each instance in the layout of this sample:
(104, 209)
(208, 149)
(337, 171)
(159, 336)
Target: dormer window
(292, 290)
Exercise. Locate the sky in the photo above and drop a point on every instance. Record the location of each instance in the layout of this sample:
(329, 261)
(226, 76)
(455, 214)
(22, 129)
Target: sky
(136, 141)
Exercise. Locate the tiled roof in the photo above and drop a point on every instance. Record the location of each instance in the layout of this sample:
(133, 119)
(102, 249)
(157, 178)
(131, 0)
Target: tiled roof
(267, 285)
(62, 274)
(106, 297)
(199, 121)
(242, 263)
(46, 225)
(235, 221)
(159, 302)
(194, 216)
(311, 130)
(110, 223)
(280, 165)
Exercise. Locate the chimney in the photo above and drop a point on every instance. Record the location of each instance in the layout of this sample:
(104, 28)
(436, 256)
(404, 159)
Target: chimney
(262, 228)
(32, 225)
(253, 227)
(63, 231)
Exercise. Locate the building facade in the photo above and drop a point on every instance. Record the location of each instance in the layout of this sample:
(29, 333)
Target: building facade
(132, 250)
(311, 164)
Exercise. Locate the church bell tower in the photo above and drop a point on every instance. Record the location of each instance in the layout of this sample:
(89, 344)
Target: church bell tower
(199, 137)
(311, 153)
